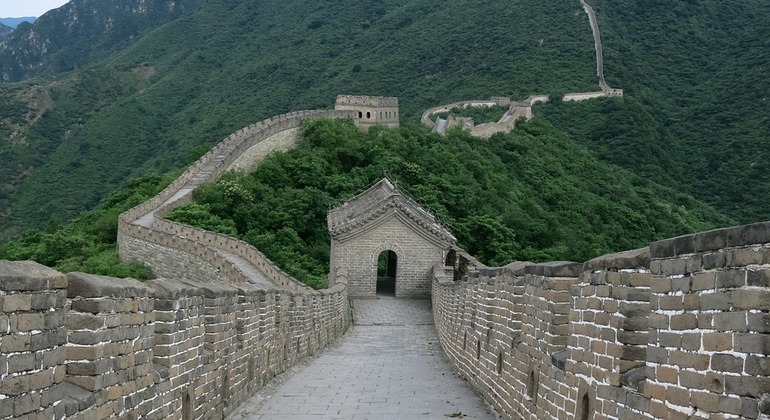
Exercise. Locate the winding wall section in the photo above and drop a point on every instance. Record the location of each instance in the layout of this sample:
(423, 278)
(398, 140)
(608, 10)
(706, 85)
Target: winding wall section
(177, 250)
(678, 330)
(523, 109)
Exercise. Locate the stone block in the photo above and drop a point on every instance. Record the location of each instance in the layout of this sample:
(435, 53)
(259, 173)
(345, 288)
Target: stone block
(729, 279)
(714, 260)
(759, 322)
(638, 258)
(717, 341)
(29, 276)
(703, 281)
(678, 396)
(84, 321)
(751, 299)
(705, 401)
(720, 301)
(660, 285)
(757, 233)
(93, 306)
(731, 321)
(15, 343)
(21, 362)
(757, 365)
(684, 322)
(48, 339)
(93, 286)
(691, 341)
(17, 302)
(671, 303)
(722, 362)
(26, 322)
(687, 360)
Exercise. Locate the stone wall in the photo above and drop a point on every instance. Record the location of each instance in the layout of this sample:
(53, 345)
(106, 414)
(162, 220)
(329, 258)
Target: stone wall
(370, 110)
(415, 259)
(176, 250)
(92, 347)
(677, 330)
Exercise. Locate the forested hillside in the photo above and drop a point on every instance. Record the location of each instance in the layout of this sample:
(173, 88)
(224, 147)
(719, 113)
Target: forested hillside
(81, 32)
(532, 195)
(191, 82)
(696, 114)
(694, 119)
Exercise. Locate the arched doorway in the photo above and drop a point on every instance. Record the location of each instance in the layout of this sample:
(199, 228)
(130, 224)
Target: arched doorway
(387, 265)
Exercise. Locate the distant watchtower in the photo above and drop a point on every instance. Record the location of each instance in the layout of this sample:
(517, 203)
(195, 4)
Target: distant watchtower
(383, 242)
(370, 110)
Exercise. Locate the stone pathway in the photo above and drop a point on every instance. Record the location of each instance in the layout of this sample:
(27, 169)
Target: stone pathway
(388, 366)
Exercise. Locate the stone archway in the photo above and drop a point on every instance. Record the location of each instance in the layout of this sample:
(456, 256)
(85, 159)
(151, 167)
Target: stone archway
(387, 269)
(382, 228)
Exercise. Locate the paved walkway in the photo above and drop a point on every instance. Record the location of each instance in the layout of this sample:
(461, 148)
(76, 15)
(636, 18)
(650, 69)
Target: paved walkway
(388, 366)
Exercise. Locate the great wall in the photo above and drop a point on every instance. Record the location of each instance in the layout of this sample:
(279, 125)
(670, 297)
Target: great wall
(520, 109)
(676, 330)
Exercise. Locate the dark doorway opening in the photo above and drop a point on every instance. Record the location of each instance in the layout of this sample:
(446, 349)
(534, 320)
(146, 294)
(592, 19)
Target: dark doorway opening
(387, 264)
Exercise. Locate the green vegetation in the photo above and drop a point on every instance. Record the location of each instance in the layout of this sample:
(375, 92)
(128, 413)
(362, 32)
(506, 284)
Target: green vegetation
(695, 115)
(88, 243)
(193, 81)
(693, 123)
(529, 195)
(479, 114)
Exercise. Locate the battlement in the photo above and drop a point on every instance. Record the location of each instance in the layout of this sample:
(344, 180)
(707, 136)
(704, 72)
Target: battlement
(92, 347)
(370, 110)
(369, 101)
(678, 329)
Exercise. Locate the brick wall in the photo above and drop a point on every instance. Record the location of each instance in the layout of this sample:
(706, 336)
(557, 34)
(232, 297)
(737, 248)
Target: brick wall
(32, 341)
(415, 259)
(92, 347)
(677, 330)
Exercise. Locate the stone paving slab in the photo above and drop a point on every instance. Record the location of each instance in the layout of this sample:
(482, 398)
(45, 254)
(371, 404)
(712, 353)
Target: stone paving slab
(388, 366)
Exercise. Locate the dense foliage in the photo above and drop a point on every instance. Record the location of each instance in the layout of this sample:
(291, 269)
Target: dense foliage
(195, 80)
(88, 243)
(530, 195)
(697, 110)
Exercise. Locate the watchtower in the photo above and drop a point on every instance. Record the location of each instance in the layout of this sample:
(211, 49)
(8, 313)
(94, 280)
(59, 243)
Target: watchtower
(370, 110)
(386, 243)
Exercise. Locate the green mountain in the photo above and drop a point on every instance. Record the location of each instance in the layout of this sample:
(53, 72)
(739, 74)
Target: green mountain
(697, 109)
(191, 82)
(693, 119)
(81, 32)
(532, 195)
(14, 22)
(4, 31)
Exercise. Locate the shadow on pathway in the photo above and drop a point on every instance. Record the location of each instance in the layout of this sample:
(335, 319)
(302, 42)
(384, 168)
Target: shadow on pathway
(388, 366)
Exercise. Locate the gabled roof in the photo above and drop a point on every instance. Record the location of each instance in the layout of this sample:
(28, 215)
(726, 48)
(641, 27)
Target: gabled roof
(373, 206)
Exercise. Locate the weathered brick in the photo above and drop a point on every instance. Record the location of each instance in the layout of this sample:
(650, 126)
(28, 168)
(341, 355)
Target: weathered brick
(684, 322)
(17, 302)
(759, 322)
(705, 401)
(757, 365)
(728, 279)
(751, 299)
(15, 343)
(731, 321)
(726, 363)
(717, 341)
(703, 281)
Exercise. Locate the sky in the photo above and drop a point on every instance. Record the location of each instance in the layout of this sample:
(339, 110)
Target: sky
(21, 8)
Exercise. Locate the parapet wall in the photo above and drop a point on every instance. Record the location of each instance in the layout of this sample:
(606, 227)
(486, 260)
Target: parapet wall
(677, 330)
(91, 347)
(176, 250)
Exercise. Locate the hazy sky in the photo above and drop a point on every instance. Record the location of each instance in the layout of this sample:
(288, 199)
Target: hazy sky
(19, 8)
